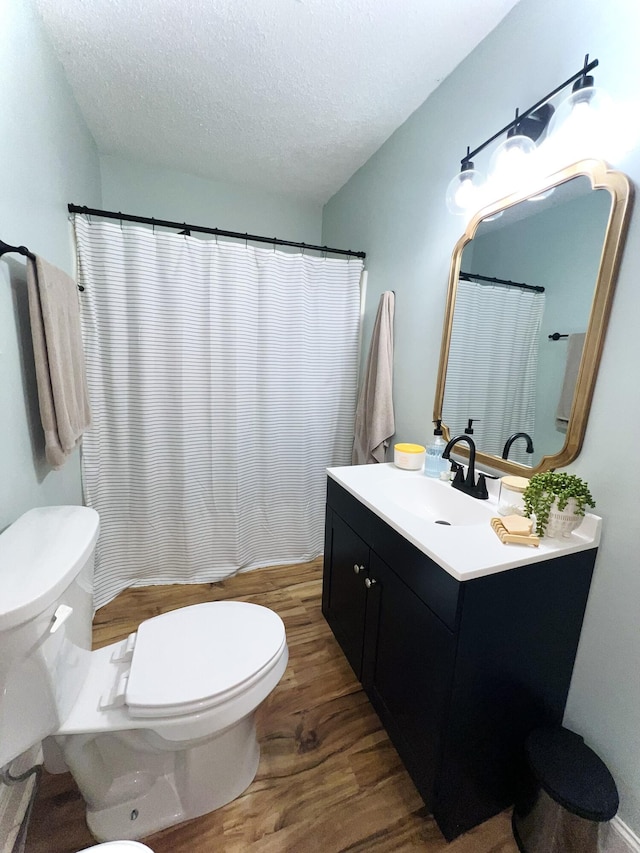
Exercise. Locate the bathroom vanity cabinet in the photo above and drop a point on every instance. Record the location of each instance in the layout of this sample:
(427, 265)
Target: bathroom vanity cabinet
(458, 671)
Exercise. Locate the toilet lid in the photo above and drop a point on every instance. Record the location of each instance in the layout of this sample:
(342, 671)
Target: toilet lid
(195, 657)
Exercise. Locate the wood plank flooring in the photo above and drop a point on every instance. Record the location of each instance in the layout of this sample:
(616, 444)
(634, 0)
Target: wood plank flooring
(329, 779)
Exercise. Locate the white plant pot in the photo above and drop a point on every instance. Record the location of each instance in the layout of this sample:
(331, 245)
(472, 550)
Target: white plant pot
(562, 523)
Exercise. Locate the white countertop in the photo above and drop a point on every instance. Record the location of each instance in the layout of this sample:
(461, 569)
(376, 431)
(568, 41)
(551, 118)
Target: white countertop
(465, 551)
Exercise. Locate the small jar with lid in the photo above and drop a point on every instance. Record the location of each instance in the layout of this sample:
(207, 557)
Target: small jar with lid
(510, 500)
(409, 456)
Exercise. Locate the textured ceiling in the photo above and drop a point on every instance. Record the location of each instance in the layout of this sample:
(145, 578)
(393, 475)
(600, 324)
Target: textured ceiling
(291, 96)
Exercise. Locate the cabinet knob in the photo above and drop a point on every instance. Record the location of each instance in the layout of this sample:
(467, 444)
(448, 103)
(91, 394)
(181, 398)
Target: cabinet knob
(357, 569)
(369, 582)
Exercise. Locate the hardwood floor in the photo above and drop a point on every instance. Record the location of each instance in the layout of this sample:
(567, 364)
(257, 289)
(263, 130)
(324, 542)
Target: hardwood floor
(329, 779)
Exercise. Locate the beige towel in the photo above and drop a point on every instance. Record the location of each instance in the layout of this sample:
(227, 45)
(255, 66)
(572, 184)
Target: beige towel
(59, 359)
(575, 345)
(374, 424)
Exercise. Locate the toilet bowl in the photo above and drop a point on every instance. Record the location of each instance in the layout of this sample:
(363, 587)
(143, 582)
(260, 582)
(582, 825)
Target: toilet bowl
(157, 728)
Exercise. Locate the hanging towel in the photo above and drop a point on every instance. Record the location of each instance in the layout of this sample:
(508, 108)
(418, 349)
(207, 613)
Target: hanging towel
(59, 359)
(374, 423)
(575, 345)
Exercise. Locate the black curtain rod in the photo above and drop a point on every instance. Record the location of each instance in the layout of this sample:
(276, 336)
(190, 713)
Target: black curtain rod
(586, 68)
(19, 250)
(469, 275)
(125, 217)
(556, 336)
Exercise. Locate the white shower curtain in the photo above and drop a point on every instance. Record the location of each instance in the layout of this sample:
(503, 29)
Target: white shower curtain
(493, 365)
(222, 380)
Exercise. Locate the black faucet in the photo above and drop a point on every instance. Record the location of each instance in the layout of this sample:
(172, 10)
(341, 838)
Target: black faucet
(467, 485)
(512, 438)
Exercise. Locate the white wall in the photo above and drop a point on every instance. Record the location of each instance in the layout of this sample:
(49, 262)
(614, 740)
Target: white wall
(144, 190)
(394, 209)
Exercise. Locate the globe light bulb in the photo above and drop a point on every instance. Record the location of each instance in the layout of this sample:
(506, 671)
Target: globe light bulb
(510, 162)
(463, 192)
(580, 125)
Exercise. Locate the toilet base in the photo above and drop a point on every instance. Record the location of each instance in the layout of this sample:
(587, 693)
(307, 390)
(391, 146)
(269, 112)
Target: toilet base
(203, 778)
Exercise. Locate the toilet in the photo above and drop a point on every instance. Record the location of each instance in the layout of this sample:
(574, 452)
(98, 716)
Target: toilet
(155, 729)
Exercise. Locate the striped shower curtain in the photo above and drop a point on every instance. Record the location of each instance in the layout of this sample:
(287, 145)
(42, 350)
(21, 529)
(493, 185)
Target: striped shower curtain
(222, 380)
(493, 365)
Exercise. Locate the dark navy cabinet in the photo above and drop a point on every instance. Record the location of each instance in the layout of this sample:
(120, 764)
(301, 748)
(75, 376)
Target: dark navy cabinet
(351, 561)
(459, 672)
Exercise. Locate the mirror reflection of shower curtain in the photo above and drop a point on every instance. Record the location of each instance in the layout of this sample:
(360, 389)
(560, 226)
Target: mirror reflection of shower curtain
(223, 382)
(493, 365)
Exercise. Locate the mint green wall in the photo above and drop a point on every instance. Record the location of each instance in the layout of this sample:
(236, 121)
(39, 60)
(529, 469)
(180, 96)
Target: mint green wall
(394, 209)
(144, 190)
(48, 157)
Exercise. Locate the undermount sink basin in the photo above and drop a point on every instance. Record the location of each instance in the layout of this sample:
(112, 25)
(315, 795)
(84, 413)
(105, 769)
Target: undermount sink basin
(433, 500)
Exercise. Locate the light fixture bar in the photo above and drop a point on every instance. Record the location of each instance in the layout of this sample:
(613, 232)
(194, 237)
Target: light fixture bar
(587, 67)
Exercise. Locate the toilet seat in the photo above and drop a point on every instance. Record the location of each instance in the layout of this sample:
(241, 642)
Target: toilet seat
(196, 657)
(103, 702)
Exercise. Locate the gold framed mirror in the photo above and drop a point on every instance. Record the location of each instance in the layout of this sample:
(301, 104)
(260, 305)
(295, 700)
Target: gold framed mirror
(530, 291)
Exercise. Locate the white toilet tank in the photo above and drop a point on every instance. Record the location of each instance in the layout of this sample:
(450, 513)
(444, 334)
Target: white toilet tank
(46, 610)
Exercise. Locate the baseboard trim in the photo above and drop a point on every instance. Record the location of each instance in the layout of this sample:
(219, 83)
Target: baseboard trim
(620, 839)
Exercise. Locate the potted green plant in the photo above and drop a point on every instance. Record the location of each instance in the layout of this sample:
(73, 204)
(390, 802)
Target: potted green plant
(558, 501)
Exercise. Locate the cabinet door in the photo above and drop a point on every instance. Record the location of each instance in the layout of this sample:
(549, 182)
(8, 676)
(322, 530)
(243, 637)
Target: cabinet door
(410, 677)
(344, 595)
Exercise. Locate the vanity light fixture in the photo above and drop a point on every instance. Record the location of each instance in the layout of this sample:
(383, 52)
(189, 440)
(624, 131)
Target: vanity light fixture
(512, 155)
